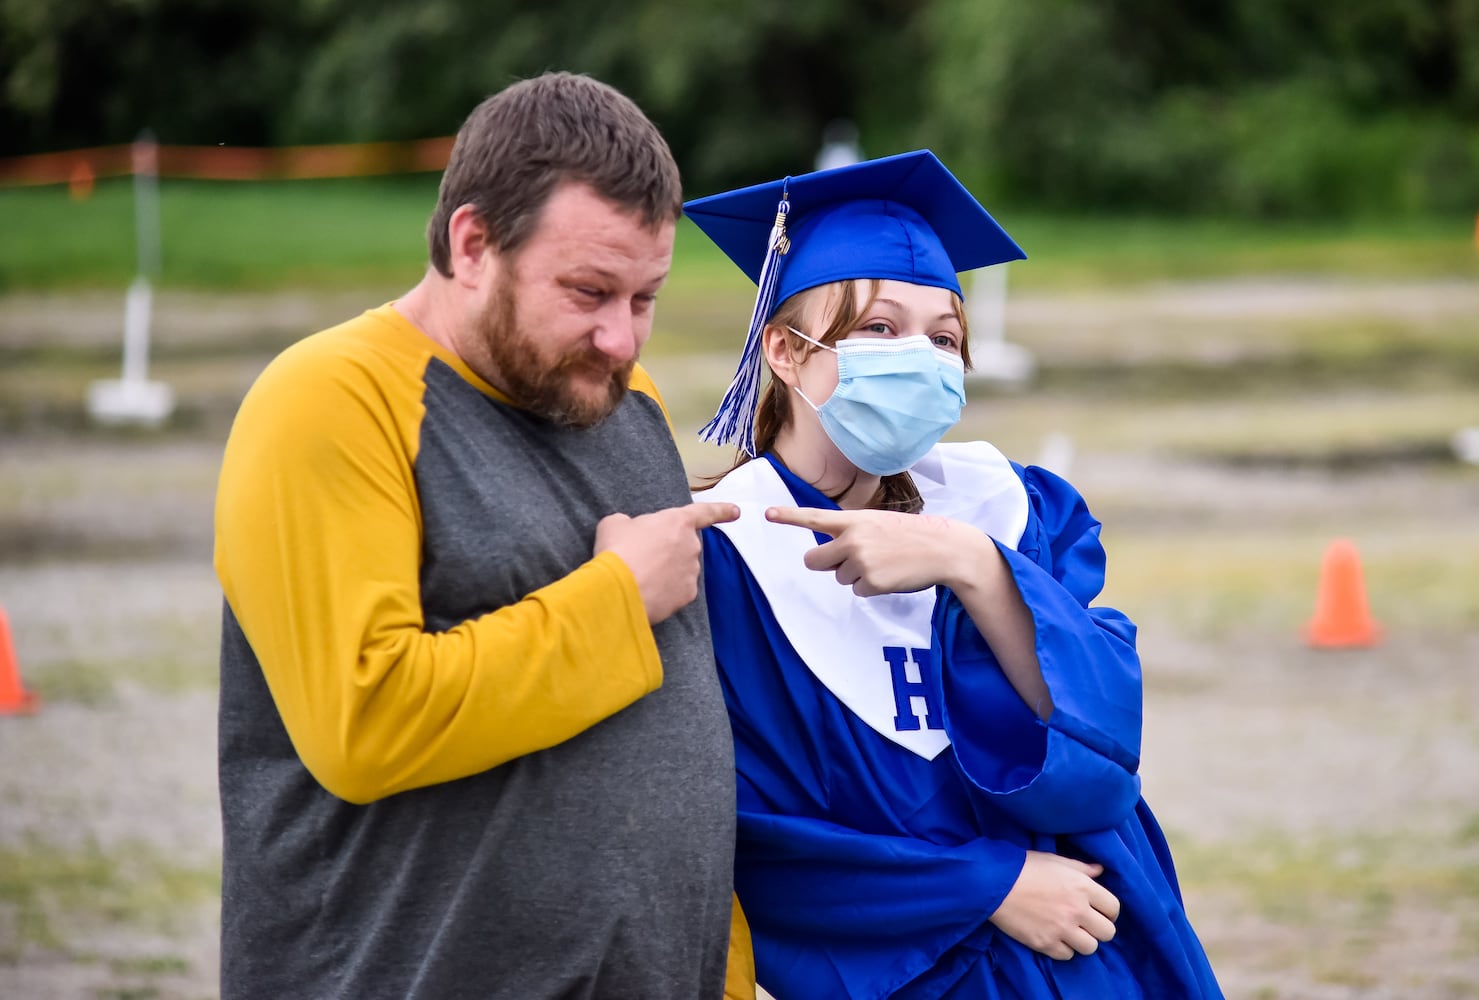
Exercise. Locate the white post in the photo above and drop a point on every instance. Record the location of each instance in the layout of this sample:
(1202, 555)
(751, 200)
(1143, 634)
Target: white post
(1465, 444)
(136, 310)
(839, 145)
(988, 304)
(1056, 453)
(992, 357)
(133, 398)
(146, 202)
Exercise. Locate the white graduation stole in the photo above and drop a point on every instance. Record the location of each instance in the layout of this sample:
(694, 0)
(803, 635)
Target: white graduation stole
(869, 651)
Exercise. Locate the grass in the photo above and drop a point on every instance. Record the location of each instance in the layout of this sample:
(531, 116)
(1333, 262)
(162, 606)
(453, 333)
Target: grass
(1324, 909)
(94, 682)
(1101, 252)
(368, 232)
(1226, 423)
(45, 887)
(1291, 879)
(1218, 586)
(220, 235)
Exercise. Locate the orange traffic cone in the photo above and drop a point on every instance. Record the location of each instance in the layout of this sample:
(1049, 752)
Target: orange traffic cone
(1342, 617)
(14, 699)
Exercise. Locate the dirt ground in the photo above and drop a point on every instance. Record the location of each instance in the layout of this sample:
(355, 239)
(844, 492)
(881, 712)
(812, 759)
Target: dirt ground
(1323, 804)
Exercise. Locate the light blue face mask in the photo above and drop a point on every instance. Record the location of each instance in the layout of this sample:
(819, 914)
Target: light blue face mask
(895, 398)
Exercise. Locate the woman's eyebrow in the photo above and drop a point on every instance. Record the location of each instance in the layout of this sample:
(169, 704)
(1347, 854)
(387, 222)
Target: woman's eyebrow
(899, 307)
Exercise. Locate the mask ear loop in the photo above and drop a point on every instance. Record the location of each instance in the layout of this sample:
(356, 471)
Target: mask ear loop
(825, 347)
(807, 398)
(819, 344)
(811, 341)
(736, 415)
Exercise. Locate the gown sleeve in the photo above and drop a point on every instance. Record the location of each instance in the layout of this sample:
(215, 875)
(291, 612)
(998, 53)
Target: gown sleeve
(1078, 770)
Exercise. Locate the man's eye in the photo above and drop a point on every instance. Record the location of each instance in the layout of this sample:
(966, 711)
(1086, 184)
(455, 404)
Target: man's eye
(590, 296)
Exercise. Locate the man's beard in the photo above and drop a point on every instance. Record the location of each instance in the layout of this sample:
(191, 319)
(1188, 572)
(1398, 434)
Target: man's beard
(542, 384)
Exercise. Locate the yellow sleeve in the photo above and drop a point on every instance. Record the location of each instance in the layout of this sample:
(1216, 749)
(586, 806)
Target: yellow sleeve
(642, 382)
(318, 549)
(739, 984)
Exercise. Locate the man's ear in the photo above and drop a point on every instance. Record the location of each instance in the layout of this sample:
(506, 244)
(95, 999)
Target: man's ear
(473, 250)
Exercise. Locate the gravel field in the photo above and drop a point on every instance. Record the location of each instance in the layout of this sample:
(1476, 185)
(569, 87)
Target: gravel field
(1323, 804)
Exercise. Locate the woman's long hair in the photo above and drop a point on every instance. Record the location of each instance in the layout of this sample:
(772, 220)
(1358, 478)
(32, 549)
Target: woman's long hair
(895, 492)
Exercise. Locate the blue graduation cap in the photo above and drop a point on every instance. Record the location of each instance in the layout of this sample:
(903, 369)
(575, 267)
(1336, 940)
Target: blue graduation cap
(902, 217)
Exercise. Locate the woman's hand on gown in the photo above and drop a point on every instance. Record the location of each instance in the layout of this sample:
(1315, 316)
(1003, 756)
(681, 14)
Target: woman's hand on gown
(1057, 908)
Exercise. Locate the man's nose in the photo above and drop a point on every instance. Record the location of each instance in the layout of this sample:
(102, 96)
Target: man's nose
(619, 335)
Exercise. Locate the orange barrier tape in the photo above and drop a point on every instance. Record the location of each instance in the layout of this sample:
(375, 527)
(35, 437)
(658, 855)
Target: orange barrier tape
(229, 163)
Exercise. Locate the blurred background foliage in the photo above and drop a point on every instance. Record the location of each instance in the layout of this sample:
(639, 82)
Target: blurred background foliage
(1260, 108)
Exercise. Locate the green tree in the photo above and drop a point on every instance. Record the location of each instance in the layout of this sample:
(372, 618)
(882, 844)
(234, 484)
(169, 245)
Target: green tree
(1248, 106)
(85, 72)
(1258, 106)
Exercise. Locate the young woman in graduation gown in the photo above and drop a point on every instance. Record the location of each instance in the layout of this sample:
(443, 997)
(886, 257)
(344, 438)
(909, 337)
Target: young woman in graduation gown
(936, 734)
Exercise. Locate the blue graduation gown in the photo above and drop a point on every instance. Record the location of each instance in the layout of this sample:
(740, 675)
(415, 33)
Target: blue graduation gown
(867, 870)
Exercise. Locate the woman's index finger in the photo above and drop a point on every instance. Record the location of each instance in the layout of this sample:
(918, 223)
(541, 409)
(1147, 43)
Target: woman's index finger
(828, 522)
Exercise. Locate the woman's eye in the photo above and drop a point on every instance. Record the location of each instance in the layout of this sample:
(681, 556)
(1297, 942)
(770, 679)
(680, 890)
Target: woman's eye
(881, 329)
(944, 340)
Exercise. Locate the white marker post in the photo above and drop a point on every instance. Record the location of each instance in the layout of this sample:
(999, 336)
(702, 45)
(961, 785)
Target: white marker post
(992, 358)
(1056, 453)
(1465, 444)
(134, 399)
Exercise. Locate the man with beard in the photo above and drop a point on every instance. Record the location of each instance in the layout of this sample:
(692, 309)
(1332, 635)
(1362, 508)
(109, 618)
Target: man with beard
(472, 743)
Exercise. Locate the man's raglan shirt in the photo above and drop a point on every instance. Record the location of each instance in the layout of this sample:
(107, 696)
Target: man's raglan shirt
(455, 758)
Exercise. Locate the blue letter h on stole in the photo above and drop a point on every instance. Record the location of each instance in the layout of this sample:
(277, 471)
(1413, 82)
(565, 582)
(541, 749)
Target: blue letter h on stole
(904, 689)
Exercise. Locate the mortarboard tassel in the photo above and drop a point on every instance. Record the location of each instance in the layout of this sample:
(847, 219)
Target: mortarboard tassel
(736, 415)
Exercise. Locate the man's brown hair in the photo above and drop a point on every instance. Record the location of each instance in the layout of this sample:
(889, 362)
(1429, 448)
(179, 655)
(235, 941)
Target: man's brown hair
(519, 144)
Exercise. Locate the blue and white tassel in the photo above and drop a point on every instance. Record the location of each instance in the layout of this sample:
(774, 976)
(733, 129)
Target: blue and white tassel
(736, 415)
